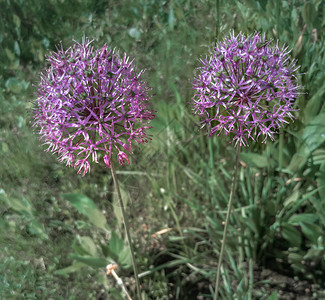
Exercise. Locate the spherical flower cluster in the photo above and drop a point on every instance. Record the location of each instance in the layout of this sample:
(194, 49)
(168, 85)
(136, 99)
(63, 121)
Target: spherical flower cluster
(91, 104)
(246, 88)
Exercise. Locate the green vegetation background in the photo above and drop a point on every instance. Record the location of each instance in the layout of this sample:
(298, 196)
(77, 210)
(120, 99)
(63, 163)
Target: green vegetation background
(59, 230)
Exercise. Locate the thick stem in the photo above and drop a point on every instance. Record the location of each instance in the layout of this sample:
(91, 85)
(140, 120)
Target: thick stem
(231, 197)
(126, 226)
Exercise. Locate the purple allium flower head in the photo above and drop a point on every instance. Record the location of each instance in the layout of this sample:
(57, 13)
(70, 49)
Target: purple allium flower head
(246, 88)
(91, 105)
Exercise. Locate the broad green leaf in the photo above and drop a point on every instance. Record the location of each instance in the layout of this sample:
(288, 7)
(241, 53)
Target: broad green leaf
(292, 199)
(124, 258)
(5, 147)
(314, 105)
(16, 21)
(306, 218)
(14, 85)
(319, 205)
(78, 249)
(311, 231)
(82, 224)
(273, 296)
(118, 251)
(315, 253)
(97, 218)
(94, 262)
(81, 202)
(314, 133)
(116, 244)
(76, 266)
(88, 245)
(88, 208)
(291, 234)
(10, 55)
(20, 205)
(254, 160)
(298, 160)
(295, 257)
(36, 228)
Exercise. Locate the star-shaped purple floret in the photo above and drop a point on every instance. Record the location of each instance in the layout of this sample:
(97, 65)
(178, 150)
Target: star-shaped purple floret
(91, 103)
(246, 88)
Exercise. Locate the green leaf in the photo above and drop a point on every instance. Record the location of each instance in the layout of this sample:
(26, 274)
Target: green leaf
(94, 262)
(16, 48)
(76, 266)
(314, 105)
(319, 205)
(308, 14)
(16, 21)
(315, 253)
(254, 160)
(10, 54)
(5, 147)
(320, 178)
(81, 202)
(116, 244)
(292, 199)
(116, 294)
(273, 296)
(314, 133)
(88, 245)
(171, 19)
(295, 257)
(306, 218)
(87, 207)
(14, 85)
(20, 121)
(36, 228)
(291, 234)
(20, 205)
(311, 231)
(124, 258)
(118, 251)
(298, 160)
